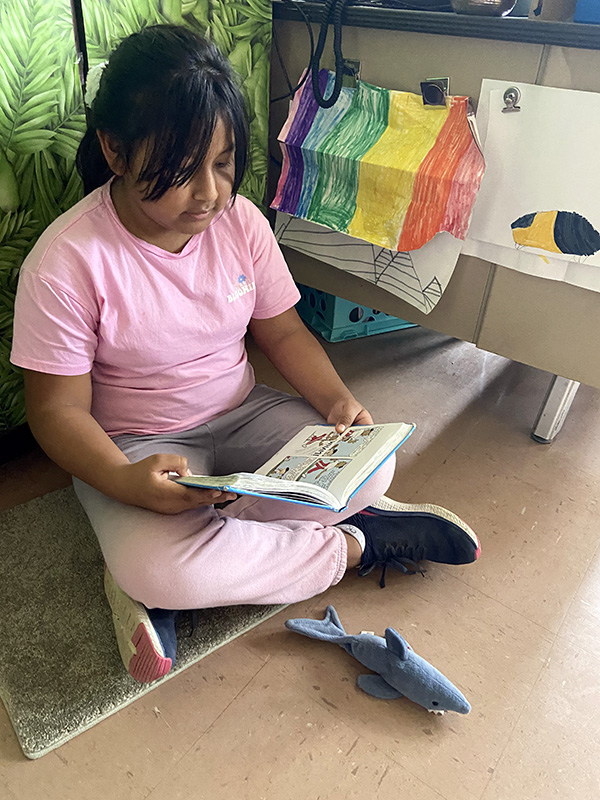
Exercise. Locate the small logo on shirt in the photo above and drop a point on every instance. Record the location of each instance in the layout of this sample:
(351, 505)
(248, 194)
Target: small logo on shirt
(244, 286)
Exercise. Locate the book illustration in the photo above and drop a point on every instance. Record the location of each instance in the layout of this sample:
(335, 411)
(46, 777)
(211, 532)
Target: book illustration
(290, 468)
(318, 471)
(323, 471)
(557, 232)
(352, 442)
(316, 441)
(346, 444)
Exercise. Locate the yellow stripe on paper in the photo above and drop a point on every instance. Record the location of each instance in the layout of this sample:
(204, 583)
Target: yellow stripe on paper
(388, 170)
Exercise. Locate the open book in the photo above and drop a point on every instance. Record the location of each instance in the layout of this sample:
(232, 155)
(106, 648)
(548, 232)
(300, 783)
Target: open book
(318, 467)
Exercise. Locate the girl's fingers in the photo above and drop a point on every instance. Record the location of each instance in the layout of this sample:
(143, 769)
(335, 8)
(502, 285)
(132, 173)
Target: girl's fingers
(364, 418)
(194, 498)
(353, 415)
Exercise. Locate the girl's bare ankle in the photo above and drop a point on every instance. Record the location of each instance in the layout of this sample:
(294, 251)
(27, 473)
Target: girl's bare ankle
(354, 553)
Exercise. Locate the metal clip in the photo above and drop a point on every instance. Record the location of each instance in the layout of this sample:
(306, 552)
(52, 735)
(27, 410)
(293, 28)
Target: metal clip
(351, 72)
(511, 97)
(435, 91)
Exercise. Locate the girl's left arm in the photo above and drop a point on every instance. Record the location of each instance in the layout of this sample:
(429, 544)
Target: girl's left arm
(299, 357)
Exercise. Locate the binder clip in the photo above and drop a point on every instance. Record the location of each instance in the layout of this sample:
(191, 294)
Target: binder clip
(511, 97)
(435, 91)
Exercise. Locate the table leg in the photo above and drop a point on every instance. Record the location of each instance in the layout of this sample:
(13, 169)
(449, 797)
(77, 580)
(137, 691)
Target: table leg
(554, 409)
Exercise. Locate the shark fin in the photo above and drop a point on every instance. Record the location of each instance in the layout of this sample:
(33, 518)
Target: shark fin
(396, 644)
(376, 686)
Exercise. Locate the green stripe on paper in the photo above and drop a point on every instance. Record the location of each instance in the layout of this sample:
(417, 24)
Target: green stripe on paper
(339, 154)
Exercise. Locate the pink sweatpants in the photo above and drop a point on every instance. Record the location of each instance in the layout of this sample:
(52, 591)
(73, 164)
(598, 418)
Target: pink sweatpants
(254, 550)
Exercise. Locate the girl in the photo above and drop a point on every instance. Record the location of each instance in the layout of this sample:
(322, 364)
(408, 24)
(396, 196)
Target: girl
(130, 320)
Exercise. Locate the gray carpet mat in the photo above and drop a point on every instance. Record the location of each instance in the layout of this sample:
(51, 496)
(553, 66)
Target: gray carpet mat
(60, 669)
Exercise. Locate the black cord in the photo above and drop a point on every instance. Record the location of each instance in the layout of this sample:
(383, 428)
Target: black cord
(80, 45)
(332, 13)
(293, 90)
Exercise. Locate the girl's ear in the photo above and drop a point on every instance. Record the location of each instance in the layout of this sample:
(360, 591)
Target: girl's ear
(111, 153)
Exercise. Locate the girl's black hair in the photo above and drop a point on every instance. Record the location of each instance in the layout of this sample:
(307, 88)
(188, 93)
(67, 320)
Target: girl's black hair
(166, 86)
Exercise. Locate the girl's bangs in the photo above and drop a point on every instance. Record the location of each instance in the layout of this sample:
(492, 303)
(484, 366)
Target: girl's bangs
(180, 141)
(173, 159)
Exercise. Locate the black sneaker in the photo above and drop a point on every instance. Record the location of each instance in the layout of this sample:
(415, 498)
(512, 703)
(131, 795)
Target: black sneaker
(402, 535)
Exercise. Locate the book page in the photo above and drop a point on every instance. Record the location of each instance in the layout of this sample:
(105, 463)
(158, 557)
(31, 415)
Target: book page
(318, 471)
(317, 466)
(335, 461)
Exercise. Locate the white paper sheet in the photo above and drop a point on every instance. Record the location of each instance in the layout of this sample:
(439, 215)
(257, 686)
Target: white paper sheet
(418, 277)
(543, 158)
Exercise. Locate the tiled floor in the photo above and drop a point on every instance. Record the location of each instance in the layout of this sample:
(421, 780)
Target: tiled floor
(274, 715)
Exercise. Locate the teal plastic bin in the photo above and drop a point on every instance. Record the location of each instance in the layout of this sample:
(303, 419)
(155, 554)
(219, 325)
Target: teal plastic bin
(587, 11)
(336, 319)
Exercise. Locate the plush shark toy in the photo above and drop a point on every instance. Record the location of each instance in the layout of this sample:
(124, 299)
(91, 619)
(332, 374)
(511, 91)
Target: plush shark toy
(401, 672)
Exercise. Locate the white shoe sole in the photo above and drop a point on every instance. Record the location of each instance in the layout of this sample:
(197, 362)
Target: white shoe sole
(387, 504)
(139, 645)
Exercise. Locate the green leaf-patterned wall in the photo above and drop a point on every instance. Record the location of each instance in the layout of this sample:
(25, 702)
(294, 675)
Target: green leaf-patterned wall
(41, 123)
(42, 117)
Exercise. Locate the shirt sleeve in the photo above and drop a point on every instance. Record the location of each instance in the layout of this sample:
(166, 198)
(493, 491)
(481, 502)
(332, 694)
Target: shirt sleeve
(276, 290)
(53, 332)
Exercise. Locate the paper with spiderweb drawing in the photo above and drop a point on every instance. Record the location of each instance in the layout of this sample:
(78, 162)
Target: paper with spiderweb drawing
(538, 208)
(419, 277)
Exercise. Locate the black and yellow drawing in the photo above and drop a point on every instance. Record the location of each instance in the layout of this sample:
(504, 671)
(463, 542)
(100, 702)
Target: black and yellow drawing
(557, 232)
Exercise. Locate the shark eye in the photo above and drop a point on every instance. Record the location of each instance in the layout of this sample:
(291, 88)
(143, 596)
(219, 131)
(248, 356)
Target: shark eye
(434, 703)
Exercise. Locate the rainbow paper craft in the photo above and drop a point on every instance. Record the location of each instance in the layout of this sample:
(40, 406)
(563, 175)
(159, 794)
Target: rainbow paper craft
(379, 165)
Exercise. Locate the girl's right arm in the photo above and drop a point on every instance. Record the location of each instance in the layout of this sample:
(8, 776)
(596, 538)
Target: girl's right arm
(58, 412)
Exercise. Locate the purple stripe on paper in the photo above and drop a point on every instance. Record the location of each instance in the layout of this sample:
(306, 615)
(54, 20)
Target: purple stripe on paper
(303, 120)
(307, 111)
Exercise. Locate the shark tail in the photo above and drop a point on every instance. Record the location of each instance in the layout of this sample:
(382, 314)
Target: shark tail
(329, 629)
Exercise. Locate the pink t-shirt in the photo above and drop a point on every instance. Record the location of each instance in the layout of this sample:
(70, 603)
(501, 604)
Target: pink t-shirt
(162, 333)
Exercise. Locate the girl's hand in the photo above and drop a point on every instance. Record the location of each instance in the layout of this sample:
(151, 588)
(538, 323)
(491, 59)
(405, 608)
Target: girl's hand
(346, 412)
(147, 484)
